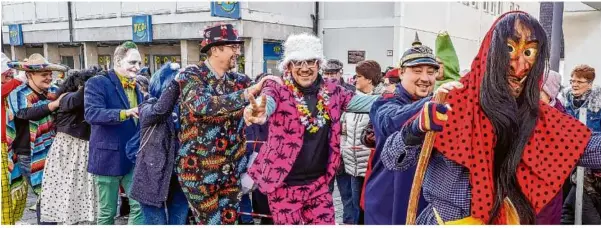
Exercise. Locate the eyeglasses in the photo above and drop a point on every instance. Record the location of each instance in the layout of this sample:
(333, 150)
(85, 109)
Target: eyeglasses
(234, 47)
(572, 82)
(308, 63)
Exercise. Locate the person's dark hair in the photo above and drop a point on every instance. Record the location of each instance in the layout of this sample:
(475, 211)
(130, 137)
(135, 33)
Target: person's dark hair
(371, 70)
(513, 119)
(584, 71)
(77, 78)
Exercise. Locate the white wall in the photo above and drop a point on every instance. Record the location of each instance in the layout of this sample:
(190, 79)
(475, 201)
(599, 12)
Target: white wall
(374, 41)
(380, 26)
(358, 26)
(582, 34)
(287, 13)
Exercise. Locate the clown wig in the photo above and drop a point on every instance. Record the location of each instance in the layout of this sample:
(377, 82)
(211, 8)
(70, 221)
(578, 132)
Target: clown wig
(161, 79)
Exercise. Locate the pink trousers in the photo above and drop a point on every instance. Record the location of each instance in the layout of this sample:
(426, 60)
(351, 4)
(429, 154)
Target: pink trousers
(302, 205)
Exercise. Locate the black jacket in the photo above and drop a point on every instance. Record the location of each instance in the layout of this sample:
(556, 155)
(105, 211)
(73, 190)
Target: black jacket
(70, 116)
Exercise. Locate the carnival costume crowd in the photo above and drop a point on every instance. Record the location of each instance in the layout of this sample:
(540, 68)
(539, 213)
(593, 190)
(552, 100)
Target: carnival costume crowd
(203, 144)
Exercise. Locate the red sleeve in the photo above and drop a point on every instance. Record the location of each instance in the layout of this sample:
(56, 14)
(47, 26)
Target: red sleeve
(9, 87)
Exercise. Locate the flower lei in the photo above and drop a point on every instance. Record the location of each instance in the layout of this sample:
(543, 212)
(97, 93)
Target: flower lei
(312, 124)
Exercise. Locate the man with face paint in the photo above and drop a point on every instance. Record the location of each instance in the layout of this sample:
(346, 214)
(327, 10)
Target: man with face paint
(29, 129)
(110, 103)
(212, 143)
(500, 155)
(302, 152)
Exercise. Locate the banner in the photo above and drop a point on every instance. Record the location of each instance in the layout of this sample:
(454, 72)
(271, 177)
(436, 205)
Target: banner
(225, 9)
(141, 28)
(16, 35)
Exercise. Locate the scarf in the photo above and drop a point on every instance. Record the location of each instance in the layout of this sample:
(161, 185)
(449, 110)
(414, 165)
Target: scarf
(468, 139)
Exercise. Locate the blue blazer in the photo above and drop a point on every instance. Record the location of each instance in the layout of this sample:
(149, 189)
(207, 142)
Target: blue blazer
(104, 99)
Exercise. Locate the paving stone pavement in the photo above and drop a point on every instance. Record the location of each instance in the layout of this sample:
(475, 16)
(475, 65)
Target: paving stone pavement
(29, 217)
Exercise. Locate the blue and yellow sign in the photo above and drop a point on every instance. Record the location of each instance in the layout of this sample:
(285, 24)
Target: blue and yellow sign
(141, 28)
(16, 35)
(225, 9)
(272, 49)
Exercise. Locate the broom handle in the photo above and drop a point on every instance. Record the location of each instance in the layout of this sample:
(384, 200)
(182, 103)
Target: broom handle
(420, 171)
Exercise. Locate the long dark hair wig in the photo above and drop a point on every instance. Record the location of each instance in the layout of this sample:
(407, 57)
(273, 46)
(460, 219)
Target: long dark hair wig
(513, 119)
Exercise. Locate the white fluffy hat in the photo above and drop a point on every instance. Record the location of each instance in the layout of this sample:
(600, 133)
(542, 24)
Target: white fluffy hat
(5, 61)
(302, 47)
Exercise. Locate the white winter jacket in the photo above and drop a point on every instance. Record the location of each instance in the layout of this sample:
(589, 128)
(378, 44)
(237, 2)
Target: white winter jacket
(355, 155)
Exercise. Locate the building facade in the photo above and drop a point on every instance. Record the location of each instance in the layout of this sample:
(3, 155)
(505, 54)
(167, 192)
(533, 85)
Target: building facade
(382, 31)
(81, 34)
(582, 33)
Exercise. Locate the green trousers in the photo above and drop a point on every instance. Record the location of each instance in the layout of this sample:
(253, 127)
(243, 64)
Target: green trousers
(108, 194)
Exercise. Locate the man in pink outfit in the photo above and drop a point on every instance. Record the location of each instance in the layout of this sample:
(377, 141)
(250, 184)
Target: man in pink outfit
(302, 151)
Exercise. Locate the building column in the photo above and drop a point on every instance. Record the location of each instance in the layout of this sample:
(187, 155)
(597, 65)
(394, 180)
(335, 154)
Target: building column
(399, 32)
(90, 54)
(190, 52)
(51, 53)
(18, 53)
(253, 56)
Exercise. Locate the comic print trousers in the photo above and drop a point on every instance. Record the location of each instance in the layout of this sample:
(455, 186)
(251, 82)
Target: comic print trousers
(302, 205)
(212, 204)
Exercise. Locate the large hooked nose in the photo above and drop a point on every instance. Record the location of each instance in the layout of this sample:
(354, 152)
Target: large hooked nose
(522, 67)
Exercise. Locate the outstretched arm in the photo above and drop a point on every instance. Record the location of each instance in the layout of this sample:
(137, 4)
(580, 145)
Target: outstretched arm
(95, 105)
(361, 103)
(401, 150)
(197, 98)
(592, 154)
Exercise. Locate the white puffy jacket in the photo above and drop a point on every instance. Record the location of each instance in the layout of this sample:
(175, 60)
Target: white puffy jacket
(355, 155)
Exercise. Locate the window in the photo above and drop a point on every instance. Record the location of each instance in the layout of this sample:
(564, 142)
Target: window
(467, 3)
(475, 5)
(517, 7)
(499, 8)
(105, 62)
(485, 7)
(160, 60)
(68, 61)
(493, 8)
(511, 6)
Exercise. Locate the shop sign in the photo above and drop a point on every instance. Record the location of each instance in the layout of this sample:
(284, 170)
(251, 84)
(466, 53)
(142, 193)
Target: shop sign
(272, 49)
(355, 57)
(141, 28)
(225, 9)
(15, 33)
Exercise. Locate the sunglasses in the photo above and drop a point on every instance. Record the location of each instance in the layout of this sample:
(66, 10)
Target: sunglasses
(312, 63)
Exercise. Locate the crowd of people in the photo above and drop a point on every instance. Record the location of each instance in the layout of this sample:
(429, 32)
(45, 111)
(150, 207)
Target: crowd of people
(204, 144)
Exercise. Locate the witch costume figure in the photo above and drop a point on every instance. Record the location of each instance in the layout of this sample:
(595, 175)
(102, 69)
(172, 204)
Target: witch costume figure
(500, 154)
(302, 152)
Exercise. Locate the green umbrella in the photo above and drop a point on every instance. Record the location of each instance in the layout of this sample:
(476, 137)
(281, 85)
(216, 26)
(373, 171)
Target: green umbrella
(446, 53)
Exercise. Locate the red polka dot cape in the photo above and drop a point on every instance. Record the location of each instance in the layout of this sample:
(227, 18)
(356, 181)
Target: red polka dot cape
(553, 150)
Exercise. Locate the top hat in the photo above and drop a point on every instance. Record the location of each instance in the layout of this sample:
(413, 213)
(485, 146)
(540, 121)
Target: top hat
(419, 54)
(36, 63)
(219, 35)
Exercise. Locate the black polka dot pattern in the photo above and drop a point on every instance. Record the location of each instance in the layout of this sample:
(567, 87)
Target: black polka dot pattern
(468, 139)
(68, 190)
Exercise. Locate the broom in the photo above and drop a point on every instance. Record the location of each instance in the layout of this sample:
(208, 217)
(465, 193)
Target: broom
(420, 171)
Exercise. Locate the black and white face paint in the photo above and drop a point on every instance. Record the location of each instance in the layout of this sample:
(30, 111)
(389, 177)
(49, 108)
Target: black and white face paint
(129, 65)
